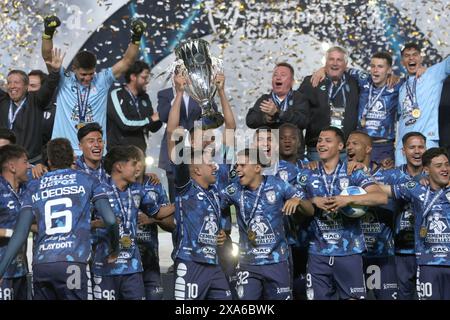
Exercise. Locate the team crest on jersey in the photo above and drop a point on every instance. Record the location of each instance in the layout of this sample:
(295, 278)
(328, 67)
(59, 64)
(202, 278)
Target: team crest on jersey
(144, 103)
(284, 175)
(410, 184)
(137, 200)
(344, 182)
(323, 88)
(302, 179)
(270, 195)
(447, 195)
(232, 173)
(152, 195)
(230, 190)
(363, 75)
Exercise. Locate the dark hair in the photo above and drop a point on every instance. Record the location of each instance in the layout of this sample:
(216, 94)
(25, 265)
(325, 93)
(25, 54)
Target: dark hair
(120, 154)
(41, 74)
(413, 134)
(383, 55)
(10, 152)
(287, 65)
(254, 156)
(60, 153)
(432, 153)
(20, 73)
(7, 134)
(337, 131)
(84, 60)
(136, 68)
(411, 45)
(88, 128)
(262, 129)
(298, 133)
(365, 135)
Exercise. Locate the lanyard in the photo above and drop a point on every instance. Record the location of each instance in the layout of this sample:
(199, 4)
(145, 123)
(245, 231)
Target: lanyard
(430, 204)
(323, 174)
(96, 172)
(411, 92)
(12, 116)
(371, 101)
(255, 204)
(214, 204)
(126, 215)
(82, 103)
(135, 101)
(331, 96)
(282, 105)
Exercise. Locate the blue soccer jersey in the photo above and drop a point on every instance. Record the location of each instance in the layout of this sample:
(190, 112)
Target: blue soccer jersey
(378, 223)
(75, 100)
(288, 171)
(197, 217)
(333, 234)
(126, 205)
(147, 235)
(404, 220)
(432, 214)
(99, 173)
(262, 237)
(61, 201)
(10, 204)
(377, 108)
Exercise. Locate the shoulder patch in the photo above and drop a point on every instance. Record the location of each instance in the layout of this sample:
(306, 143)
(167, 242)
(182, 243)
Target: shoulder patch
(302, 179)
(411, 184)
(232, 173)
(230, 189)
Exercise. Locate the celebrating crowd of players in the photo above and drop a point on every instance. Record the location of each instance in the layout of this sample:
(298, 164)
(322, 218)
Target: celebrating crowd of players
(95, 218)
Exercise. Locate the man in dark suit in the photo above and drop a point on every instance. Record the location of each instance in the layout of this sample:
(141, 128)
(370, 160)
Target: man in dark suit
(444, 116)
(190, 112)
(333, 102)
(281, 105)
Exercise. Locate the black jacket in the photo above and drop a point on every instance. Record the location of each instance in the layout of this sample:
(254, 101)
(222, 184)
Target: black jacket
(125, 124)
(28, 124)
(319, 108)
(297, 113)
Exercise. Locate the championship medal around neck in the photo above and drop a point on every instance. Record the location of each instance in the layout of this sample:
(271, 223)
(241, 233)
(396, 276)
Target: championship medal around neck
(423, 232)
(363, 122)
(125, 241)
(252, 237)
(416, 113)
(80, 125)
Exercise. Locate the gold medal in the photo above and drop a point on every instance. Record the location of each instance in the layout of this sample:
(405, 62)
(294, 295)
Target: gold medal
(423, 232)
(363, 122)
(416, 113)
(125, 241)
(251, 236)
(80, 125)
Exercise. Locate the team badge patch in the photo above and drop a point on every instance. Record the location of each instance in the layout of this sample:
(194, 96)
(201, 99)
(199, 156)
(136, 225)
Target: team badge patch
(284, 175)
(270, 195)
(230, 190)
(232, 173)
(137, 200)
(152, 194)
(323, 88)
(344, 182)
(411, 184)
(302, 179)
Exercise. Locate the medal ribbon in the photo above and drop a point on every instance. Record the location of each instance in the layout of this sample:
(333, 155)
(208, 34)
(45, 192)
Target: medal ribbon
(371, 101)
(282, 105)
(135, 101)
(214, 204)
(323, 174)
(255, 204)
(82, 103)
(126, 215)
(12, 116)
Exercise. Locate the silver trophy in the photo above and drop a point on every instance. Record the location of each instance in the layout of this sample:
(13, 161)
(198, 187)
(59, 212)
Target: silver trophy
(200, 69)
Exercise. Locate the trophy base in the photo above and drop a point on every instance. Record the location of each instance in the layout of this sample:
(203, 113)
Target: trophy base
(211, 120)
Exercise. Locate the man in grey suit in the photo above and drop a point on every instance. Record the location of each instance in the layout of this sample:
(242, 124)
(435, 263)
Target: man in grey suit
(190, 112)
